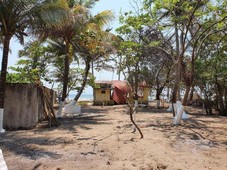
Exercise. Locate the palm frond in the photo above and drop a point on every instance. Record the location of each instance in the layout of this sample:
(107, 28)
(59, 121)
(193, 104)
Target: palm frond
(86, 3)
(103, 18)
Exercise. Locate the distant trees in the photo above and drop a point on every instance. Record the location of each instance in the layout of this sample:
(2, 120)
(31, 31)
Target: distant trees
(166, 43)
(211, 71)
(183, 30)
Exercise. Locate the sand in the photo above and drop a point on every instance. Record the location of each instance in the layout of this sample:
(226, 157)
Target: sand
(102, 138)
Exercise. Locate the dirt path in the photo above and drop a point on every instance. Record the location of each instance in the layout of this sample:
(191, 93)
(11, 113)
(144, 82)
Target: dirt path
(102, 139)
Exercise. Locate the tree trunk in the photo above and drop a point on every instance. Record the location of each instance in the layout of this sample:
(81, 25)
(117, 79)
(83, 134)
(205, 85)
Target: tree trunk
(158, 93)
(65, 78)
(131, 111)
(185, 99)
(220, 100)
(5, 55)
(177, 62)
(191, 93)
(87, 68)
(167, 95)
(65, 82)
(92, 68)
(225, 101)
(208, 107)
(176, 89)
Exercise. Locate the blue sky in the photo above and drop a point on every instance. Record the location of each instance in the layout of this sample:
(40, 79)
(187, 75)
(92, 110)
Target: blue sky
(114, 5)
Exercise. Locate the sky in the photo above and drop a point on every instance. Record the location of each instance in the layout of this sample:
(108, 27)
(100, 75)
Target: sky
(116, 6)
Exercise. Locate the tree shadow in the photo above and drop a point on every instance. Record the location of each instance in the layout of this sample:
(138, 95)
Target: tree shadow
(24, 146)
(192, 129)
(19, 143)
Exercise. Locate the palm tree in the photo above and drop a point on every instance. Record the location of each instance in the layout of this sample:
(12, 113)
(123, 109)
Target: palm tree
(78, 11)
(95, 44)
(17, 18)
(70, 35)
(65, 37)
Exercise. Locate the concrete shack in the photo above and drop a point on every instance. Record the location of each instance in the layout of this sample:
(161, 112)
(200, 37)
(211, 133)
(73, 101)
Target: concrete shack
(103, 93)
(143, 93)
(23, 105)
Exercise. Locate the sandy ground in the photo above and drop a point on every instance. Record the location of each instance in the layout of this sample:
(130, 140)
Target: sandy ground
(103, 139)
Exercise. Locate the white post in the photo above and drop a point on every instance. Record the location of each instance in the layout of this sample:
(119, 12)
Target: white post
(179, 109)
(170, 108)
(1, 121)
(136, 103)
(61, 105)
(178, 104)
(157, 103)
(178, 117)
(3, 165)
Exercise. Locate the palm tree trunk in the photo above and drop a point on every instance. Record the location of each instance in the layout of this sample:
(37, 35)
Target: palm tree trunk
(65, 83)
(66, 78)
(87, 68)
(92, 68)
(5, 55)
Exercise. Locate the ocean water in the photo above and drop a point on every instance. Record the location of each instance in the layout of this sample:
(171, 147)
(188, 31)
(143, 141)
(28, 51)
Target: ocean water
(83, 97)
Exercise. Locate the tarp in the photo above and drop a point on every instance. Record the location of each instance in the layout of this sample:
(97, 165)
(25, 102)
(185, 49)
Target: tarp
(120, 91)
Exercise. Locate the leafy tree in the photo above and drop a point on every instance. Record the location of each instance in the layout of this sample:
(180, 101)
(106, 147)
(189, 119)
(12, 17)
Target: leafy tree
(213, 82)
(33, 65)
(131, 48)
(185, 24)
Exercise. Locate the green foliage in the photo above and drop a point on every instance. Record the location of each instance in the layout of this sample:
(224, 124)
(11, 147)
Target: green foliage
(33, 67)
(23, 75)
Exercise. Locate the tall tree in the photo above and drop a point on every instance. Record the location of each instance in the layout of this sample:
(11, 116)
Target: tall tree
(17, 18)
(72, 37)
(95, 43)
(185, 23)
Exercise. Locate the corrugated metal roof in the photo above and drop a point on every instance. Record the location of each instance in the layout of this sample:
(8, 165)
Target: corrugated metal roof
(104, 82)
